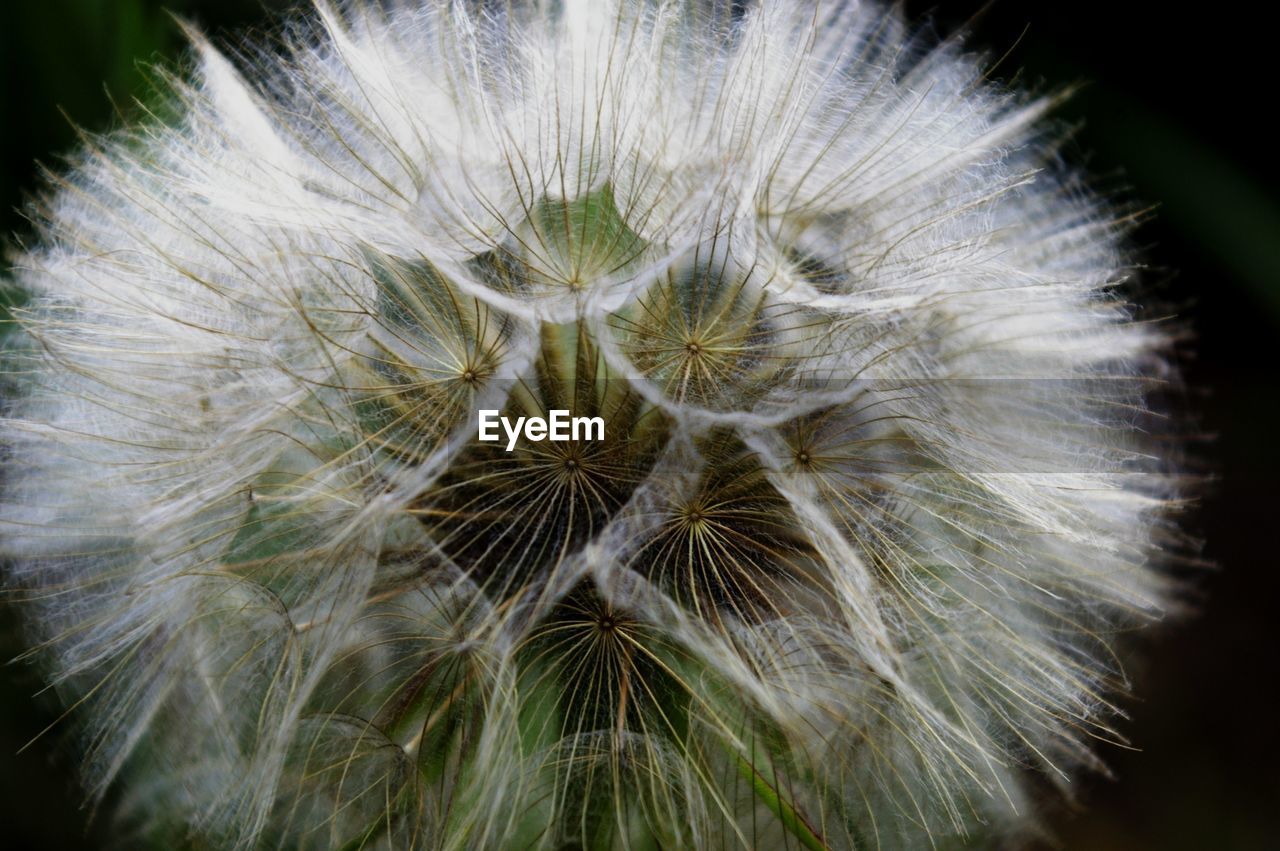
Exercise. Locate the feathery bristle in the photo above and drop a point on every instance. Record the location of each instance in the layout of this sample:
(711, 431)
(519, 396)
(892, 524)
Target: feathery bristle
(873, 497)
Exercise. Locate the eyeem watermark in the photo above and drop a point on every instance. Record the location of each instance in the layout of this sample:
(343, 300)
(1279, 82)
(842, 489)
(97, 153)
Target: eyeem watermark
(558, 426)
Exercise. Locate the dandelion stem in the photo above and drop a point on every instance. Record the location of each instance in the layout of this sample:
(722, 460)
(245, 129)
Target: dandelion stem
(791, 818)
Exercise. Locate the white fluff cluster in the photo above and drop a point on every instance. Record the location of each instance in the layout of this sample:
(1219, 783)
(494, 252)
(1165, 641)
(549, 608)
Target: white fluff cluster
(846, 570)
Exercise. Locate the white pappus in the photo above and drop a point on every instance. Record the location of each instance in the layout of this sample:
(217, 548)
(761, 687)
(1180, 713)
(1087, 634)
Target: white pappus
(845, 567)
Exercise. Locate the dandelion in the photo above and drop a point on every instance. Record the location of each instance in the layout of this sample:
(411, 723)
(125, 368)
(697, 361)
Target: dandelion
(844, 567)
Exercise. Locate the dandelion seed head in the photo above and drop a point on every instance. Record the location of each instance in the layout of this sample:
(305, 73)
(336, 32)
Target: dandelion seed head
(874, 498)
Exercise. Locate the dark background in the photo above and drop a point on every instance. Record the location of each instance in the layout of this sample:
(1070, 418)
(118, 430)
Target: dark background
(1178, 111)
